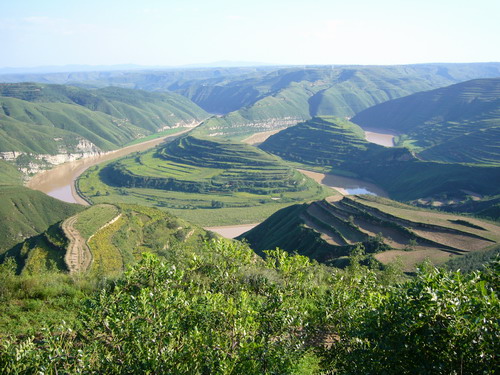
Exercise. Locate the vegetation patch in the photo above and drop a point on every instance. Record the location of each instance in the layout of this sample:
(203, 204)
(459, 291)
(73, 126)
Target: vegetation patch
(339, 146)
(193, 173)
(454, 124)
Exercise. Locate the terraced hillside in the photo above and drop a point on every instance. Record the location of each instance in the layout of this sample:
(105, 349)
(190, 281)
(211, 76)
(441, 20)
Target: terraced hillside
(202, 177)
(56, 119)
(329, 230)
(104, 239)
(338, 146)
(25, 213)
(459, 123)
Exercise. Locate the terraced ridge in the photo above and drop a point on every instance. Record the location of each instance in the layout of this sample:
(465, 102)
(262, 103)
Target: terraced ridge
(193, 164)
(79, 230)
(230, 182)
(78, 256)
(338, 146)
(104, 239)
(458, 123)
(384, 227)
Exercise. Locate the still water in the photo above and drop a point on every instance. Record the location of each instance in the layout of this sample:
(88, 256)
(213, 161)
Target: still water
(346, 185)
(384, 139)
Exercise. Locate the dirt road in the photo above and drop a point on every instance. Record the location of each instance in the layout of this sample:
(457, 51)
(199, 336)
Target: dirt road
(78, 256)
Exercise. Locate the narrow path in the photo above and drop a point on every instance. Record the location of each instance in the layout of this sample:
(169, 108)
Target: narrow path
(78, 256)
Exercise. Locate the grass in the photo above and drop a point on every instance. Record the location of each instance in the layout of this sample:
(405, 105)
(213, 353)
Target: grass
(338, 145)
(208, 182)
(93, 218)
(46, 119)
(9, 175)
(159, 134)
(106, 258)
(455, 124)
(25, 213)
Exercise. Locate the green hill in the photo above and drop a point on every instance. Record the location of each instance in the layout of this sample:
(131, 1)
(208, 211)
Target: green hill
(287, 96)
(205, 180)
(339, 147)
(458, 123)
(258, 99)
(53, 119)
(328, 231)
(104, 240)
(25, 213)
(9, 175)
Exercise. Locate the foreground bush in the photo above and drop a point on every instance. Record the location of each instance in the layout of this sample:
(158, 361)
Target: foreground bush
(223, 310)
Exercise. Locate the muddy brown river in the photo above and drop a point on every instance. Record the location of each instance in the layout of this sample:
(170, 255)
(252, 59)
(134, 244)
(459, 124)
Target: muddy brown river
(384, 139)
(59, 182)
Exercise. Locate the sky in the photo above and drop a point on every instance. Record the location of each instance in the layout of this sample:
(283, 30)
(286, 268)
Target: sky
(313, 32)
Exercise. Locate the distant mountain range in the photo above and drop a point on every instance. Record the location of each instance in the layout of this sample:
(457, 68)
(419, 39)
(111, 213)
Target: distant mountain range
(123, 67)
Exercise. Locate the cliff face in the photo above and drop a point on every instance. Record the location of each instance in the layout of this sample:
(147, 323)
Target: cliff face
(29, 163)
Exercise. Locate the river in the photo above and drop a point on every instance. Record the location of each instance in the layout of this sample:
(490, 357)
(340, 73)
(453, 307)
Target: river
(59, 182)
(346, 185)
(376, 136)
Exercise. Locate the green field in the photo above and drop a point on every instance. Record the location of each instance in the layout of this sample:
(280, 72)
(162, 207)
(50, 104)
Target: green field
(204, 180)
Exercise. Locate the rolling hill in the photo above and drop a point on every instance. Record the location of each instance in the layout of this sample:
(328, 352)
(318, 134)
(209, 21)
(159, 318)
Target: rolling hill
(458, 123)
(60, 120)
(204, 178)
(287, 96)
(329, 230)
(104, 239)
(339, 147)
(256, 99)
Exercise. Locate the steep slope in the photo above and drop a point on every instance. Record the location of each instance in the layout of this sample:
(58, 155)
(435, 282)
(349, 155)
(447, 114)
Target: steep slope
(459, 123)
(104, 239)
(339, 146)
(57, 120)
(9, 175)
(329, 230)
(25, 213)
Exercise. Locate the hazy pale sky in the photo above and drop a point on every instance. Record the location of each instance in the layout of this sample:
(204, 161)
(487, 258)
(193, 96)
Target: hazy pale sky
(174, 32)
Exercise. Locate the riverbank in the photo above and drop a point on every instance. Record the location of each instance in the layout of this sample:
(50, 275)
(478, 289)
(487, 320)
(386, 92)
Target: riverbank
(59, 182)
(231, 231)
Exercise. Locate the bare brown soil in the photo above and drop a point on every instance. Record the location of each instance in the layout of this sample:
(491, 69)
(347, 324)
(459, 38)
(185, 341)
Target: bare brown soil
(258, 138)
(78, 256)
